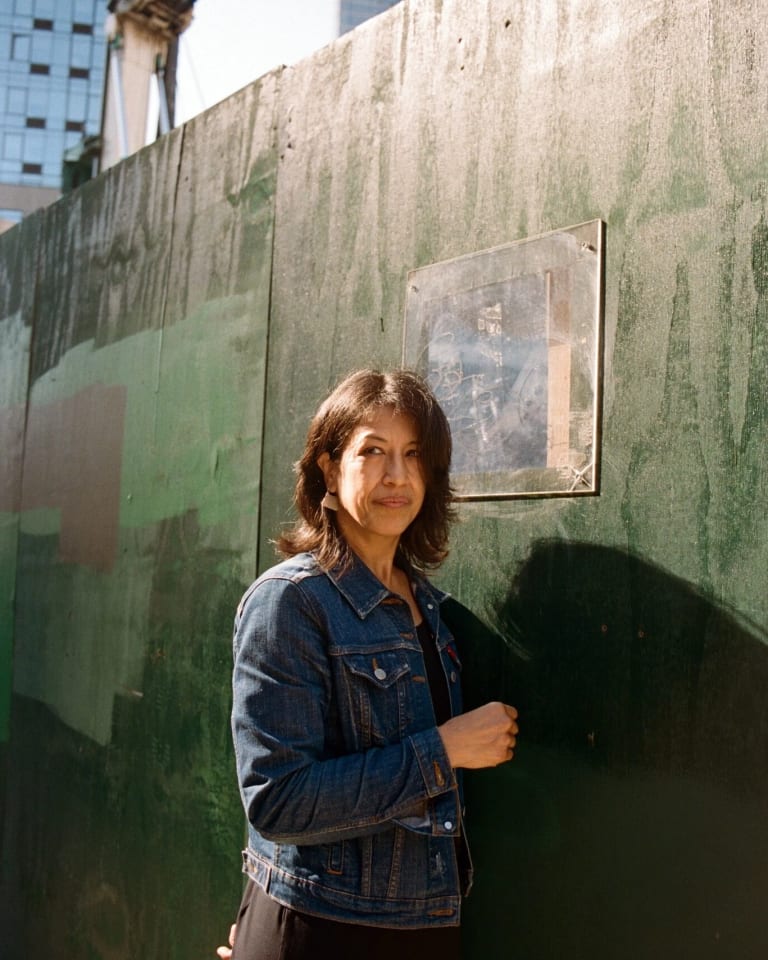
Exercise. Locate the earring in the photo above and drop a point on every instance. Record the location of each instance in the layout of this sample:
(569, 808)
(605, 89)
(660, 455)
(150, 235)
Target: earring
(330, 501)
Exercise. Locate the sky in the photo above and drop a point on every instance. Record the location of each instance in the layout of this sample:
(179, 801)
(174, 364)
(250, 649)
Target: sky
(232, 42)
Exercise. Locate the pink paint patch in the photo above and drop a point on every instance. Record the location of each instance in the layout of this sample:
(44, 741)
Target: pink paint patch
(73, 461)
(11, 435)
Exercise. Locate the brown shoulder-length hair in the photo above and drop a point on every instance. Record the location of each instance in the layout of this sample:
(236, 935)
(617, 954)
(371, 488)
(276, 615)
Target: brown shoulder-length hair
(424, 544)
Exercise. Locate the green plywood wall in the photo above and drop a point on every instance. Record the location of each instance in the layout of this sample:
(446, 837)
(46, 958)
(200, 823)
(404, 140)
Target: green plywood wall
(182, 316)
(452, 127)
(138, 512)
(18, 267)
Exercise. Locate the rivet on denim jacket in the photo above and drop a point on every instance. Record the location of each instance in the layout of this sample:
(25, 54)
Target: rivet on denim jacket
(354, 811)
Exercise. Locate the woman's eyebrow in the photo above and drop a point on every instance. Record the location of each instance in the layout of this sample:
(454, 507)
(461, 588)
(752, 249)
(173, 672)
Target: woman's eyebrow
(374, 436)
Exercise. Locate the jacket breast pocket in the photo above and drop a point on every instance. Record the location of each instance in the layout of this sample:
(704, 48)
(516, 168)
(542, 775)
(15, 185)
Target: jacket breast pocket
(376, 687)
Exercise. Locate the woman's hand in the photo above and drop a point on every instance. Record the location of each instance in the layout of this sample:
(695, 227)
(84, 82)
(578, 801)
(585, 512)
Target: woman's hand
(484, 737)
(225, 953)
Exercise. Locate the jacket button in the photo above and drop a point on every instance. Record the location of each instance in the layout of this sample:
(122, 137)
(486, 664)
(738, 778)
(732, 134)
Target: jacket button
(453, 676)
(448, 825)
(380, 674)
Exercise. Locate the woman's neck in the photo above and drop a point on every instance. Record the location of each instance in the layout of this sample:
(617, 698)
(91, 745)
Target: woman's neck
(394, 578)
(376, 552)
(382, 566)
(379, 553)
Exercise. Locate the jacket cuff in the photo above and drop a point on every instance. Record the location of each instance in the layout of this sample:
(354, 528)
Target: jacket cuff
(436, 771)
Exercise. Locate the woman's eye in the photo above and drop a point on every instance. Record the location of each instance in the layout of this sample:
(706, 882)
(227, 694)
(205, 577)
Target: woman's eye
(368, 450)
(414, 453)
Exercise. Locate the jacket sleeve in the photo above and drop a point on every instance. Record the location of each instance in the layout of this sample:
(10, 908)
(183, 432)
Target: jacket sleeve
(292, 789)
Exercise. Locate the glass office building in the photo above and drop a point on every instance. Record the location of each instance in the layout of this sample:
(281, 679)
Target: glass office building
(52, 59)
(354, 12)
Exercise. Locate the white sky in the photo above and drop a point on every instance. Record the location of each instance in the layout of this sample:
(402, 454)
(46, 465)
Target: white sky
(232, 42)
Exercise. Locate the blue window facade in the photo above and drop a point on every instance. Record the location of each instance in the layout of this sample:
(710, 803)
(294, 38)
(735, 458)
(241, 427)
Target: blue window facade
(51, 70)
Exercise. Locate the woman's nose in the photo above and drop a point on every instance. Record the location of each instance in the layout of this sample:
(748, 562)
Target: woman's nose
(396, 469)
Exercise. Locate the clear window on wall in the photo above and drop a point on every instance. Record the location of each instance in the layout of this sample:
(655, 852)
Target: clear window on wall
(21, 46)
(61, 53)
(42, 47)
(17, 101)
(510, 341)
(34, 144)
(37, 101)
(94, 111)
(12, 146)
(57, 103)
(46, 8)
(83, 10)
(53, 148)
(77, 103)
(81, 52)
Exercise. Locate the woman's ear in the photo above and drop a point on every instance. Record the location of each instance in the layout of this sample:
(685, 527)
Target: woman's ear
(328, 468)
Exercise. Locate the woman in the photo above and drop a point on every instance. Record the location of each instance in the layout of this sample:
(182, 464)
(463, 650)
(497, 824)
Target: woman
(347, 716)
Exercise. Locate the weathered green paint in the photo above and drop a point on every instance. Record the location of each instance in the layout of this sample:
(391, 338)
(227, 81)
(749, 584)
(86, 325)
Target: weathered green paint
(18, 265)
(183, 431)
(146, 408)
(612, 830)
(217, 284)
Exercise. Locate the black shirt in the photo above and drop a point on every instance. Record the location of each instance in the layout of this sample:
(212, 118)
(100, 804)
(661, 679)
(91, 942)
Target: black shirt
(435, 674)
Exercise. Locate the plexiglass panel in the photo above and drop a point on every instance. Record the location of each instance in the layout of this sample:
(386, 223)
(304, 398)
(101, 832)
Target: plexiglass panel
(510, 341)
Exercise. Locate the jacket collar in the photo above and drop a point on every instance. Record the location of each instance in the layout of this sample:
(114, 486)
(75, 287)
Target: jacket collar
(364, 591)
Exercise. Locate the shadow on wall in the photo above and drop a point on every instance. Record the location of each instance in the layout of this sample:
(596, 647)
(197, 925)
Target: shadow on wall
(631, 822)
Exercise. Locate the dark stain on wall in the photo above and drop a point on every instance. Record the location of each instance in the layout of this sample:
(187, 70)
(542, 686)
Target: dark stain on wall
(631, 821)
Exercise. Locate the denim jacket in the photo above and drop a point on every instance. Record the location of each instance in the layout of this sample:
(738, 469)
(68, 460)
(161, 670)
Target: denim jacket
(354, 810)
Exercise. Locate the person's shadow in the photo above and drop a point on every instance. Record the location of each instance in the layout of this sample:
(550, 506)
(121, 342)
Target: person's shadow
(633, 821)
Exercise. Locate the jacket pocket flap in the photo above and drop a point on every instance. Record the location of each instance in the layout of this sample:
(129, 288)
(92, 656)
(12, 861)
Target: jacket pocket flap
(381, 669)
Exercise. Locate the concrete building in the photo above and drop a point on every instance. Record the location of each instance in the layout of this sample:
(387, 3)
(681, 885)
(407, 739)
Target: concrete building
(141, 80)
(51, 83)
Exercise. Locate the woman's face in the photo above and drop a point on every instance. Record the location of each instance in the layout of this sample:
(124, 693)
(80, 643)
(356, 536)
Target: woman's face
(378, 480)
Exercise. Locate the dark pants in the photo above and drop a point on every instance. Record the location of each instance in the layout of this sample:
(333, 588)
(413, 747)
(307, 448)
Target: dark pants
(266, 930)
